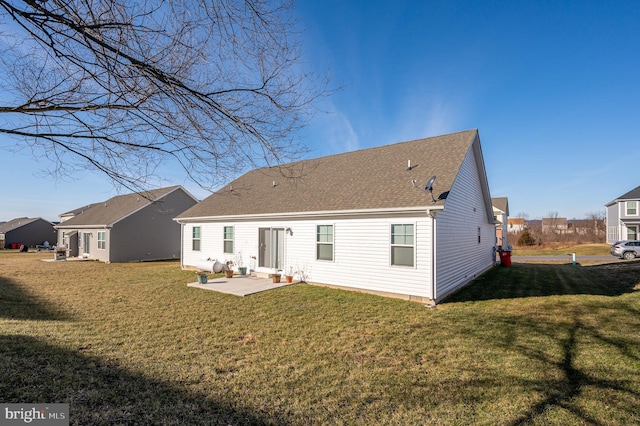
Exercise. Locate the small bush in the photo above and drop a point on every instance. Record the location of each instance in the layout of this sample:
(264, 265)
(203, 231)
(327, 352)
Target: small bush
(526, 239)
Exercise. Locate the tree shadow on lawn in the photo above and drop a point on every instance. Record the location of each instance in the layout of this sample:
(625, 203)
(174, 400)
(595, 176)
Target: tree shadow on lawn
(19, 304)
(538, 280)
(98, 393)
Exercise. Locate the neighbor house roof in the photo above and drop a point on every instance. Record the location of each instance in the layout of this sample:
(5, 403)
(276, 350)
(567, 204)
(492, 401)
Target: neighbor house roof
(17, 223)
(634, 194)
(369, 179)
(114, 209)
(501, 203)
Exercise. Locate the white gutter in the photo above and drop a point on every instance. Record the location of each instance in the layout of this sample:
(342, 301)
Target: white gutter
(82, 227)
(433, 255)
(298, 215)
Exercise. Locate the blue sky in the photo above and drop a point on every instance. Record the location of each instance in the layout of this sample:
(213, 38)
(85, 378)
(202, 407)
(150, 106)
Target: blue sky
(553, 88)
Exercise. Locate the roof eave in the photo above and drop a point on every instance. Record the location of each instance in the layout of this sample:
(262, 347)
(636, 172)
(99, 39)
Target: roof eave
(312, 214)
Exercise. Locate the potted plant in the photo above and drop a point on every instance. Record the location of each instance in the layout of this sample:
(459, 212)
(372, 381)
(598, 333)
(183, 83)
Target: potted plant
(276, 276)
(228, 269)
(242, 270)
(203, 277)
(289, 276)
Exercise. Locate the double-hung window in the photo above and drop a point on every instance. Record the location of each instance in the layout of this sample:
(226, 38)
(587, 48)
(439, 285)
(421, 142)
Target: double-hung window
(324, 242)
(195, 238)
(228, 239)
(402, 244)
(102, 240)
(632, 208)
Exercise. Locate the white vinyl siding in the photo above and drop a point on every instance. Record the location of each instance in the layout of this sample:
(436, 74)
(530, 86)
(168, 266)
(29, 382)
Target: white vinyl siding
(361, 252)
(228, 239)
(324, 242)
(460, 257)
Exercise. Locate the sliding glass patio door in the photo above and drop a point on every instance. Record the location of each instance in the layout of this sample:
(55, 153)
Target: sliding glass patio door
(271, 245)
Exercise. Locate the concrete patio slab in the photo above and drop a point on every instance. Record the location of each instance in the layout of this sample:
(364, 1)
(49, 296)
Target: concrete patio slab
(239, 285)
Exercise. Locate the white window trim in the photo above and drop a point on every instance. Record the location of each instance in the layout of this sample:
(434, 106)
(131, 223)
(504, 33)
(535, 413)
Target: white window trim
(225, 239)
(332, 243)
(199, 239)
(391, 245)
(626, 207)
(104, 241)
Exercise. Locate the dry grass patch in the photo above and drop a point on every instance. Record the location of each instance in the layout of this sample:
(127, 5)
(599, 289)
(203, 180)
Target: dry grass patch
(131, 344)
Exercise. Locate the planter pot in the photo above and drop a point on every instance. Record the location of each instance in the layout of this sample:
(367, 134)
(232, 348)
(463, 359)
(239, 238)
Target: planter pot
(275, 278)
(228, 273)
(242, 270)
(289, 279)
(203, 278)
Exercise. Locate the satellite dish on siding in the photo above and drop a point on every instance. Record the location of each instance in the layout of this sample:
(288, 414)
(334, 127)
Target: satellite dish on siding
(429, 185)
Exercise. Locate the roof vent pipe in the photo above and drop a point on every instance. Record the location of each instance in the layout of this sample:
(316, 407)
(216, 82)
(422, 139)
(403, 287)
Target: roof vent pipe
(408, 164)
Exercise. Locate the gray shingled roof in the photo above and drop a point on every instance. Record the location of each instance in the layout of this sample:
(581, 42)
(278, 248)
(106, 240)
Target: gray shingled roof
(17, 223)
(634, 194)
(374, 178)
(114, 209)
(501, 203)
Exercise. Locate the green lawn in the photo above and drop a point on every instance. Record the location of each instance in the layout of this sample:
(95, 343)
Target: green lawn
(580, 250)
(132, 344)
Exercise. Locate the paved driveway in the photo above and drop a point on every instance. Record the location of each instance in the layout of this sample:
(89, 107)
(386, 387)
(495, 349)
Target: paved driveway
(567, 258)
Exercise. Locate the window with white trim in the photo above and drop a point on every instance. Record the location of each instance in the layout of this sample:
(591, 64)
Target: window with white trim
(402, 244)
(195, 238)
(102, 240)
(324, 242)
(228, 239)
(632, 232)
(632, 208)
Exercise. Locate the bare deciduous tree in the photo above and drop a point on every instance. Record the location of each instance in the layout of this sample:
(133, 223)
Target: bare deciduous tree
(122, 86)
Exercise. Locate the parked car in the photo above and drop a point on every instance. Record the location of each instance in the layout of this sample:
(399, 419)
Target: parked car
(627, 249)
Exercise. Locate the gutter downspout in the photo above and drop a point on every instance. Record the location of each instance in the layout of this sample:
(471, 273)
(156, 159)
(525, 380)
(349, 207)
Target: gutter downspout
(432, 214)
(181, 245)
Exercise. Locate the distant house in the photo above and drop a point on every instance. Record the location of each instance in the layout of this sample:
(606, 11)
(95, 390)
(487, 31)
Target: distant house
(516, 225)
(501, 215)
(623, 217)
(126, 228)
(360, 220)
(555, 225)
(26, 231)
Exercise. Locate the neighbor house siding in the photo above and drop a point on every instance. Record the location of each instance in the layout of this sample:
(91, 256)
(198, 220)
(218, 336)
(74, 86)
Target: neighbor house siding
(613, 223)
(361, 251)
(150, 233)
(460, 257)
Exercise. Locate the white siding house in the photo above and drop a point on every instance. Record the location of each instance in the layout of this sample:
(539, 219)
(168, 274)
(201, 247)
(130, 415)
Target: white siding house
(359, 220)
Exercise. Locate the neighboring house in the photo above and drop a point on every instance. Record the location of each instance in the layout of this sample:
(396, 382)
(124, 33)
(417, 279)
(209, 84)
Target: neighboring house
(501, 215)
(623, 217)
(126, 228)
(360, 220)
(27, 231)
(516, 225)
(555, 225)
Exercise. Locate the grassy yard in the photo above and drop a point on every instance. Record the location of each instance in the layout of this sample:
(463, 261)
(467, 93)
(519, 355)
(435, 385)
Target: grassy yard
(580, 250)
(132, 344)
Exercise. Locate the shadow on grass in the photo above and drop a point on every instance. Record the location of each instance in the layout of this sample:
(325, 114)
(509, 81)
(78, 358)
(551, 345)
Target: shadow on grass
(537, 280)
(567, 392)
(102, 394)
(18, 304)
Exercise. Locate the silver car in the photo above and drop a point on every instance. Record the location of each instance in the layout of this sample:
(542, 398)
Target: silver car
(627, 249)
